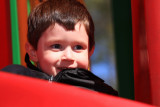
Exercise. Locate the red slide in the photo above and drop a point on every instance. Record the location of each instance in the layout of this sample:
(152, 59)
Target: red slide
(20, 91)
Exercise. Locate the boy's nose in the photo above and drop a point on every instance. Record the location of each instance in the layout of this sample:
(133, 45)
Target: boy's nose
(68, 54)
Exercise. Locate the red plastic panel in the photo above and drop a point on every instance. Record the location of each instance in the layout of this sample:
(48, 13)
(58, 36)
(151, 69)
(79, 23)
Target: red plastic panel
(19, 91)
(140, 53)
(152, 21)
(146, 45)
(5, 34)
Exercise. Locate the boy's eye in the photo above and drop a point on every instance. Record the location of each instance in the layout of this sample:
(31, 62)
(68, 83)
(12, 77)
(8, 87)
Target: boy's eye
(56, 46)
(78, 47)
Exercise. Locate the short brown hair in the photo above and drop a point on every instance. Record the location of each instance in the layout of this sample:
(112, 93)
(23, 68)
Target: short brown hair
(66, 13)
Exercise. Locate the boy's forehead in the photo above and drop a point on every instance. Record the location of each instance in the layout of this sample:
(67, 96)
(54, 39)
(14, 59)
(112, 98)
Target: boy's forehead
(57, 31)
(79, 26)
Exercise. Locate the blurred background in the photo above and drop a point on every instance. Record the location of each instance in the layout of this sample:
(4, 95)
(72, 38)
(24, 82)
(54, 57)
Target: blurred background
(103, 59)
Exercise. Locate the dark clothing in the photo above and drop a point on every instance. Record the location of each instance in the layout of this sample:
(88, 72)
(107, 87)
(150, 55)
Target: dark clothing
(21, 70)
(77, 77)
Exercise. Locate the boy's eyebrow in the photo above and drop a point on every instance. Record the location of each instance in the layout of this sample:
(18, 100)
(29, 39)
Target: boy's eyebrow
(81, 43)
(50, 42)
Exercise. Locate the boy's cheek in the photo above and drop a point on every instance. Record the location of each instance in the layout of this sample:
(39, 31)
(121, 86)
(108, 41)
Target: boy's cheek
(47, 57)
(83, 62)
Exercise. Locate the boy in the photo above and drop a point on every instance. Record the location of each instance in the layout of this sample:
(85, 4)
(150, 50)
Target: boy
(60, 43)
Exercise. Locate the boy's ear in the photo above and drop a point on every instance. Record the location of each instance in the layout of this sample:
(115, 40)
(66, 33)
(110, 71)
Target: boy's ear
(31, 52)
(91, 51)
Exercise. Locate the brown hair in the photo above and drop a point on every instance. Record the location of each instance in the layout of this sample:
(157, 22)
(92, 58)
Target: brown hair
(66, 13)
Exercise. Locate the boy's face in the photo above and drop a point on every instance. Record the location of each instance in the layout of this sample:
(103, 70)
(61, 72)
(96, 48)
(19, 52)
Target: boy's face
(59, 49)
